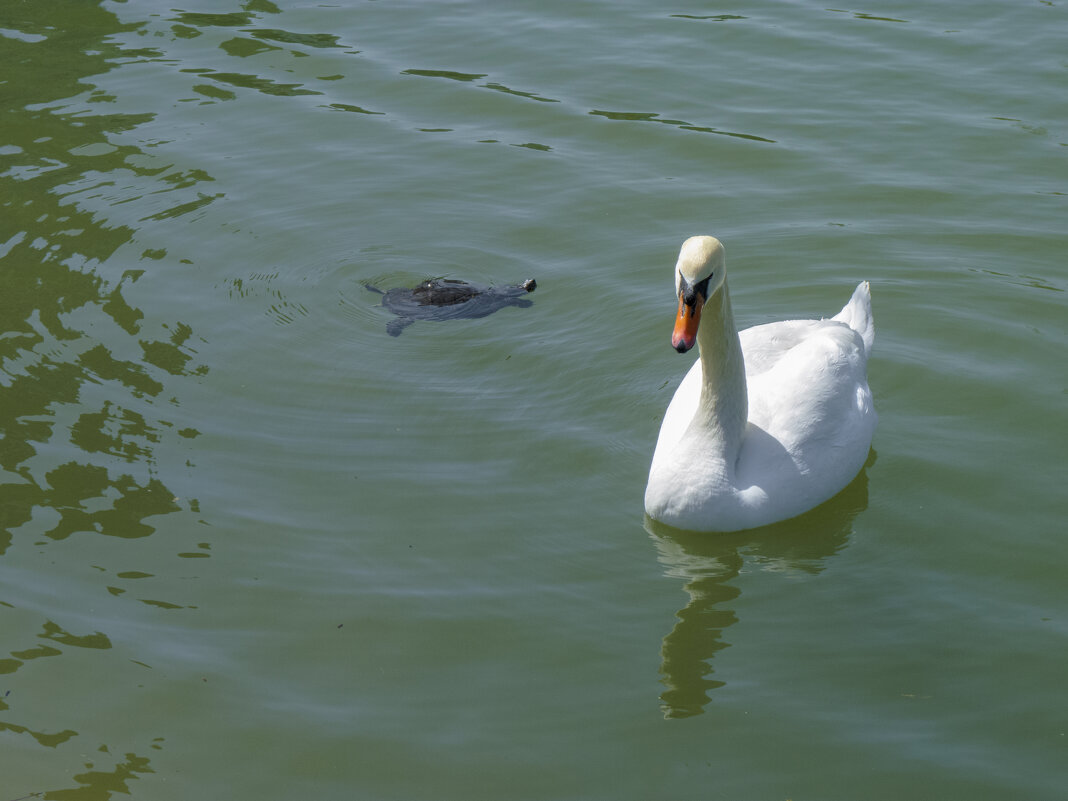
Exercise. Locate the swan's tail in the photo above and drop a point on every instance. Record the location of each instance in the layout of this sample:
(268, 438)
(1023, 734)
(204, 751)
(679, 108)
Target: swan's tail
(857, 315)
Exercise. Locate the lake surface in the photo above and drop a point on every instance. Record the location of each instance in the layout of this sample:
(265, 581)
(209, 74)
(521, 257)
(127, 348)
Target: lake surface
(253, 547)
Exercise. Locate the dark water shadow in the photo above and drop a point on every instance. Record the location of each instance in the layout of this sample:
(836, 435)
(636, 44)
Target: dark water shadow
(708, 564)
(654, 117)
(60, 319)
(87, 387)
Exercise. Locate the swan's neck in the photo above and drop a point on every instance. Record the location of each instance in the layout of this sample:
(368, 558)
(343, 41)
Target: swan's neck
(724, 406)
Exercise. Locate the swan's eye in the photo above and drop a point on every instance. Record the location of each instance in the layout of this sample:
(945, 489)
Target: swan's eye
(700, 288)
(689, 292)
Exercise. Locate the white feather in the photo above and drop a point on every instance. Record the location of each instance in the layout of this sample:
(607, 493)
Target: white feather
(738, 453)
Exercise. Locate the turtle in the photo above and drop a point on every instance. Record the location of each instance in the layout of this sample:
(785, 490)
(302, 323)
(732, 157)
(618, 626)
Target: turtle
(449, 299)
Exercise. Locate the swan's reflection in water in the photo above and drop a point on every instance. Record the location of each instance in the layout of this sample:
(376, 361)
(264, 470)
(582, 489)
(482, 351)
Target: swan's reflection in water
(708, 563)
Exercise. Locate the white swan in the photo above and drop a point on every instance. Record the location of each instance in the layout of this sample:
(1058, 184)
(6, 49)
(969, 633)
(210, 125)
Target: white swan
(769, 422)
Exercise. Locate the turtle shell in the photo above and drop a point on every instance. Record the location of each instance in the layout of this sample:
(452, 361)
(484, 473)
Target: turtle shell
(449, 299)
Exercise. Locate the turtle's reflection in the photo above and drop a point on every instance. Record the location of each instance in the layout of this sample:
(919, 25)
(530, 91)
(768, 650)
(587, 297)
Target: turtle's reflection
(708, 563)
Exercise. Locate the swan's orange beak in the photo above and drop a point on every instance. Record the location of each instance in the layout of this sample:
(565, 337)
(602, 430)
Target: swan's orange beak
(685, 334)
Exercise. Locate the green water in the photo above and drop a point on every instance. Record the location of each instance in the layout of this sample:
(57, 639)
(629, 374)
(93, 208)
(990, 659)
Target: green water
(252, 547)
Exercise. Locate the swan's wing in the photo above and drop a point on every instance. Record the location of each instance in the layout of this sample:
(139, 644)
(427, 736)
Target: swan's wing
(808, 387)
(764, 346)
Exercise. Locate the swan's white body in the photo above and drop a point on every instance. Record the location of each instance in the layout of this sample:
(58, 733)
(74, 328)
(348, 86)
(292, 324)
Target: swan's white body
(769, 422)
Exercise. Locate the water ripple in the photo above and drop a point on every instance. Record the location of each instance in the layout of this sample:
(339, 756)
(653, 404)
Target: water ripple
(644, 116)
(464, 77)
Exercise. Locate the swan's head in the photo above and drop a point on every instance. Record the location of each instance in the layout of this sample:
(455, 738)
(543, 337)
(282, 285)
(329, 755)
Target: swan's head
(699, 273)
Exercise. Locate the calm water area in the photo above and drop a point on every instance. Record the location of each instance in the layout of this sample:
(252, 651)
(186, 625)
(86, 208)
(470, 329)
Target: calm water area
(253, 547)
